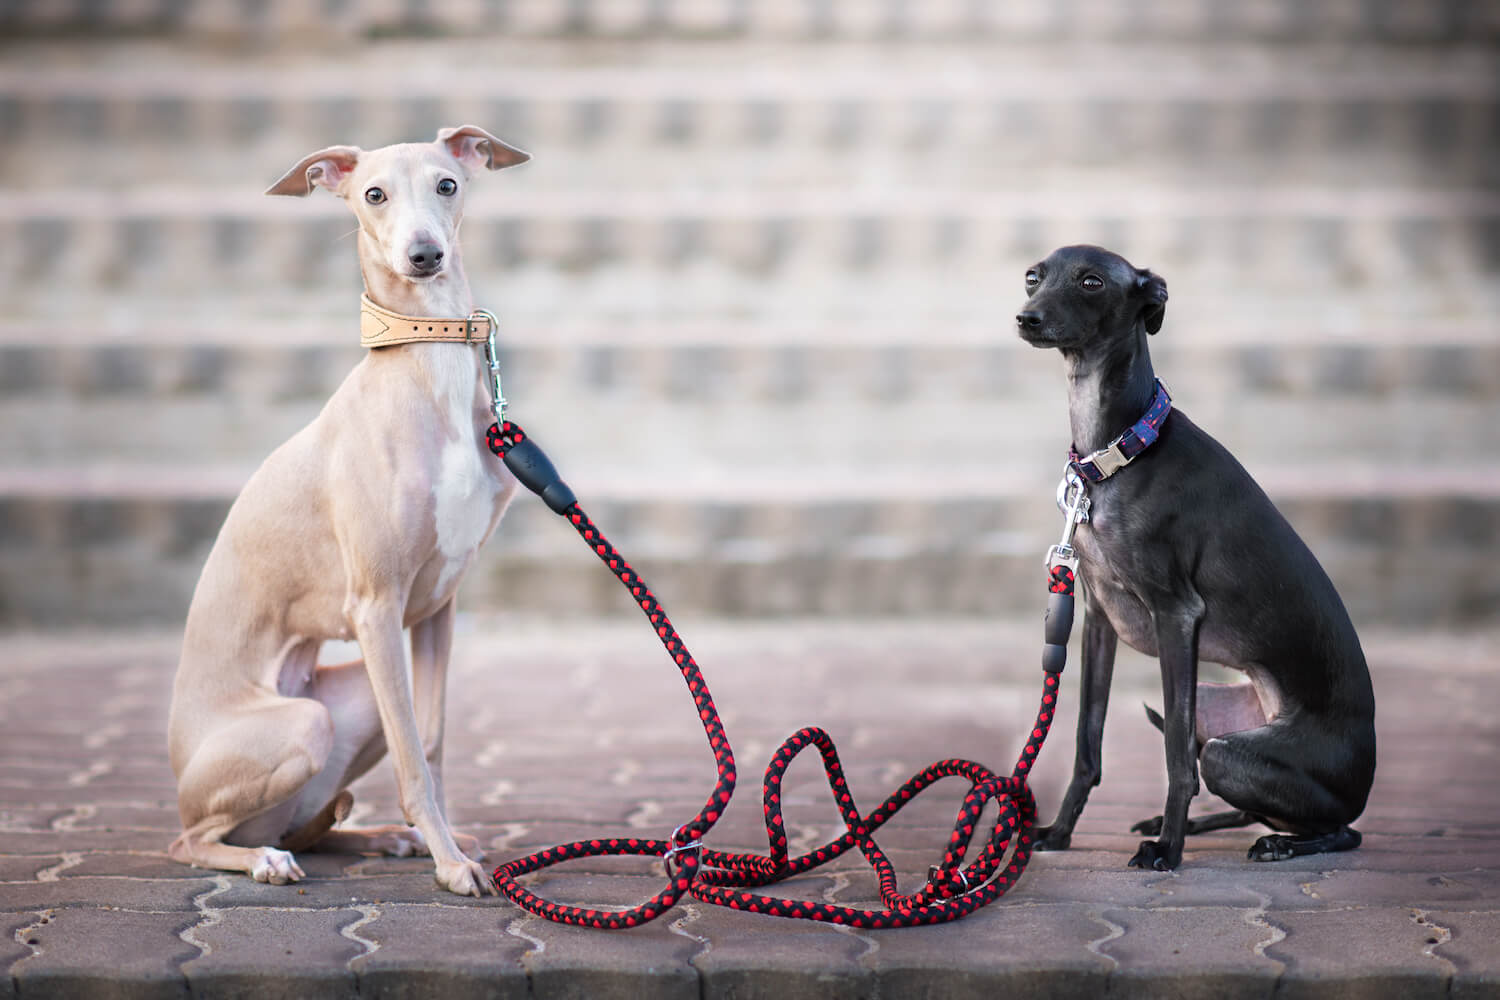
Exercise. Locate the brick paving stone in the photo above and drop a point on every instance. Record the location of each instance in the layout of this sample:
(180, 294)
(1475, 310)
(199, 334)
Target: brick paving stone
(1191, 952)
(1008, 949)
(441, 952)
(571, 963)
(1355, 953)
(331, 885)
(23, 867)
(105, 892)
(134, 864)
(1452, 890)
(111, 954)
(86, 827)
(277, 954)
(1109, 883)
(12, 950)
(44, 840)
(750, 955)
(1470, 945)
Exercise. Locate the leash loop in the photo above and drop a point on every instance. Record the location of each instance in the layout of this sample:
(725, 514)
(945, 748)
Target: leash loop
(958, 885)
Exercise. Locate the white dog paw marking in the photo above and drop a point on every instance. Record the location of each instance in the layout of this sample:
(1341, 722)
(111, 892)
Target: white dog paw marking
(465, 878)
(275, 866)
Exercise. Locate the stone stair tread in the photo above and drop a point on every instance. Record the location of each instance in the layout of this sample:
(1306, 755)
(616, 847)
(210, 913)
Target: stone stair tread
(207, 480)
(488, 203)
(326, 322)
(710, 72)
(700, 20)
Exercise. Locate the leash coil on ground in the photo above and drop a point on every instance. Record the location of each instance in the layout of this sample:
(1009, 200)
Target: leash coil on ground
(953, 889)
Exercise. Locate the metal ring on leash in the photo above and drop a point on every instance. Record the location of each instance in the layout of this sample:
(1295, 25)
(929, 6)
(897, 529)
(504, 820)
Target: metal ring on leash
(676, 849)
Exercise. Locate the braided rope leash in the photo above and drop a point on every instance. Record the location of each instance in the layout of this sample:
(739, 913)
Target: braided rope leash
(952, 890)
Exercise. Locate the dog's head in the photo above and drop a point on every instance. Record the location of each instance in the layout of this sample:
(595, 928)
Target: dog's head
(1083, 298)
(409, 197)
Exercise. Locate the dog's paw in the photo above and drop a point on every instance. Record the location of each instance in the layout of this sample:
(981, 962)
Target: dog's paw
(469, 845)
(1148, 827)
(1272, 847)
(406, 843)
(464, 878)
(1156, 855)
(276, 867)
(1047, 838)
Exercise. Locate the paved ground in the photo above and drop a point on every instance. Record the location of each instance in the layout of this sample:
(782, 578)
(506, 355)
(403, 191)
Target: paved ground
(561, 730)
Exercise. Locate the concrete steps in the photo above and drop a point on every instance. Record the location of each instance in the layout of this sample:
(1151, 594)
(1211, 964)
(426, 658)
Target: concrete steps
(730, 408)
(757, 285)
(716, 115)
(714, 182)
(1405, 546)
(771, 479)
(845, 261)
(783, 20)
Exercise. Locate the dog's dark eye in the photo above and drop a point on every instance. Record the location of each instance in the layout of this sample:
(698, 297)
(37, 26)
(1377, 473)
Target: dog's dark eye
(375, 196)
(1093, 282)
(447, 186)
(1033, 278)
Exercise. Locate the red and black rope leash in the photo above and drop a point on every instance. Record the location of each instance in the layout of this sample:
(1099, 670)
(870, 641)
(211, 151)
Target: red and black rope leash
(952, 890)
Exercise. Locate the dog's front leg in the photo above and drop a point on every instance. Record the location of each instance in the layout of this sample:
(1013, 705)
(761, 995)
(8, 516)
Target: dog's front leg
(377, 625)
(1100, 642)
(431, 647)
(1177, 648)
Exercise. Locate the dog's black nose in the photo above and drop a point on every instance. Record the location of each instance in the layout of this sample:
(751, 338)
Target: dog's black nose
(1030, 319)
(425, 257)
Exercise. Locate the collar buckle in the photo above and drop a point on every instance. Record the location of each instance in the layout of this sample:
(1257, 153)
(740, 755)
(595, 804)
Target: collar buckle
(1109, 460)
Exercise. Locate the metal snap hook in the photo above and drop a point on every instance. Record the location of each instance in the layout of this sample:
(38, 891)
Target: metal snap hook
(492, 359)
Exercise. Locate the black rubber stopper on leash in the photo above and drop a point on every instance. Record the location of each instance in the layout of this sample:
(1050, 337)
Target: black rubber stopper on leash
(534, 469)
(1055, 629)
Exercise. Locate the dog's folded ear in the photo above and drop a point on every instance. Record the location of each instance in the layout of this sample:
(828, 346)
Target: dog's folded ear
(326, 168)
(474, 148)
(1152, 288)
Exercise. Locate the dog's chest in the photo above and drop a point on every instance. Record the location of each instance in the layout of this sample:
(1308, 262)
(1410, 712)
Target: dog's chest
(469, 490)
(1112, 587)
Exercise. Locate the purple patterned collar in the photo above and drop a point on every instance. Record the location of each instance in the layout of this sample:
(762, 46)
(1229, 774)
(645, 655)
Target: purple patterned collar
(1124, 449)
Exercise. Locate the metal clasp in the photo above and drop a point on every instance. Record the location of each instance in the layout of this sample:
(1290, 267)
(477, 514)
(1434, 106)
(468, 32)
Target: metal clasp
(1073, 501)
(492, 358)
(676, 849)
(935, 877)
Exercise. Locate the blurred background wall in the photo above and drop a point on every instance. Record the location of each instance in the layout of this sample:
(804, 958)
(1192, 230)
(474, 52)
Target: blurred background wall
(758, 283)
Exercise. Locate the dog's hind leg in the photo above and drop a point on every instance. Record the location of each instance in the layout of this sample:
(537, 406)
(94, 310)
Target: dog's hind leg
(238, 788)
(1227, 820)
(1263, 772)
(344, 689)
(314, 829)
(1220, 709)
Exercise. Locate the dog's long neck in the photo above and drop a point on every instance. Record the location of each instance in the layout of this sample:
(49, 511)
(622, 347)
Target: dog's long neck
(452, 370)
(1108, 391)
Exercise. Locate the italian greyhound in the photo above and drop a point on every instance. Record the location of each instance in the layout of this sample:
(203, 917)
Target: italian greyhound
(359, 526)
(1185, 558)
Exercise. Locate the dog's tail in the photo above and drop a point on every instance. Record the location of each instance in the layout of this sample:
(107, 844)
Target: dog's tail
(1153, 716)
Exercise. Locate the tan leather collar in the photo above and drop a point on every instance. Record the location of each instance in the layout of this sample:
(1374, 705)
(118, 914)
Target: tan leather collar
(382, 328)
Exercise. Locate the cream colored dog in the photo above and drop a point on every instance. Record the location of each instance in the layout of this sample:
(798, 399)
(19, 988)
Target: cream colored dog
(360, 526)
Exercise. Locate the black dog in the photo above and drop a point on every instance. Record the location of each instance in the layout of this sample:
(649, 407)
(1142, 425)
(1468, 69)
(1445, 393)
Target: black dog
(1184, 557)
